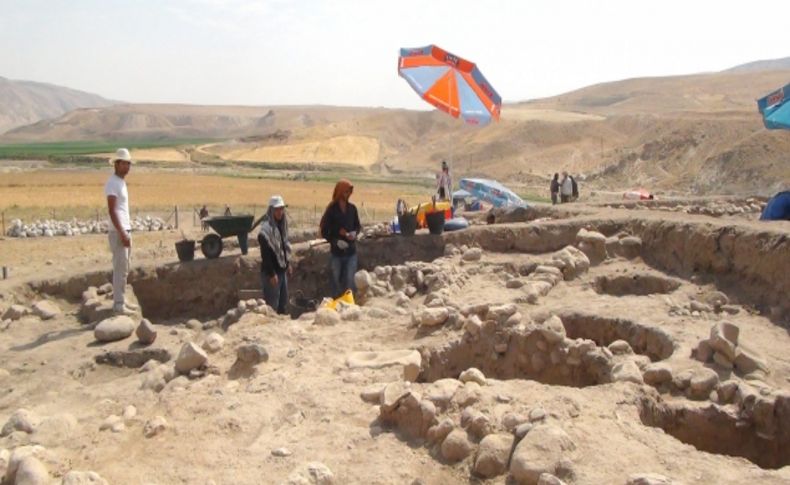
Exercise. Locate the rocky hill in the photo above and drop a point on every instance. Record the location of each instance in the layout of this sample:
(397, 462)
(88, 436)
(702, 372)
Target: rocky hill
(26, 102)
(697, 133)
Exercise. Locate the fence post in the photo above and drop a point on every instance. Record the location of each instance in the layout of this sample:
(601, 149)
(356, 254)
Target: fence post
(176, 217)
(3, 224)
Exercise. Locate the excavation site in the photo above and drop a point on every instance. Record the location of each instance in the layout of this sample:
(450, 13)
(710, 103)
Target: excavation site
(617, 344)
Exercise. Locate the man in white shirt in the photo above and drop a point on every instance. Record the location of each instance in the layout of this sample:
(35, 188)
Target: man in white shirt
(120, 229)
(566, 188)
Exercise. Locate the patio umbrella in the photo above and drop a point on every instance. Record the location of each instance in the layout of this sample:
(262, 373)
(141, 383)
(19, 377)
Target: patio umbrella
(452, 84)
(775, 109)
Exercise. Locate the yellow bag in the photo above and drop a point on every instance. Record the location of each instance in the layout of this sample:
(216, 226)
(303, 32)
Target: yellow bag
(347, 298)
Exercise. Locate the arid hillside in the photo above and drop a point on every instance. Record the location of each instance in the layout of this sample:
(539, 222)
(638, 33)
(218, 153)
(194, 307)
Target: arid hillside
(697, 133)
(26, 102)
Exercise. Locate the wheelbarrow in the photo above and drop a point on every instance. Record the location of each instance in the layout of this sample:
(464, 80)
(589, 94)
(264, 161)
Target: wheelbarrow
(225, 226)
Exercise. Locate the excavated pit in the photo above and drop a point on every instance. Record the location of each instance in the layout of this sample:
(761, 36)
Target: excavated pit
(519, 355)
(650, 341)
(757, 429)
(636, 283)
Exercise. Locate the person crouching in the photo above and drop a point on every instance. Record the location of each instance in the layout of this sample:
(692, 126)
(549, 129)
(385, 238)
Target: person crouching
(275, 255)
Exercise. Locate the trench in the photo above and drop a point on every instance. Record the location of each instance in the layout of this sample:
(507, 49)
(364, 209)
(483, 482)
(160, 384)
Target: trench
(650, 341)
(516, 355)
(720, 430)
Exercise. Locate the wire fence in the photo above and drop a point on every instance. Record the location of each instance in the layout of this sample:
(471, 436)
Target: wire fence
(185, 218)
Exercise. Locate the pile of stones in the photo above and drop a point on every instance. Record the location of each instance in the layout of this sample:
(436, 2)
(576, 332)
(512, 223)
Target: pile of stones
(74, 227)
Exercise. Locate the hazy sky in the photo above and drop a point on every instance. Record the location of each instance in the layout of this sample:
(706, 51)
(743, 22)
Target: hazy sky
(345, 52)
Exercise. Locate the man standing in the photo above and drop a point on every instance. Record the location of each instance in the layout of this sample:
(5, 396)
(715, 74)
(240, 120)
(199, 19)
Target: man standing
(340, 226)
(554, 188)
(444, 183)
(275, 255)
(566, 188)
(120, 229)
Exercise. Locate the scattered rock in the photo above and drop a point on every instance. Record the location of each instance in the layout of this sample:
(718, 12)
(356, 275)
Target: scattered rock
(15, 312)
(492, 455)
(326, 316)
(281, 452)
(540, 451)
(21, 420)
(552, 330)
(657, 374)
(213, 343)
(252, 354)
(456, 446)
(549, 479)
(627, 371)
(702, 383)
(473, 375)
(431, 317)
(146, 333)
(154, 426)
(473, 254)
(649, 479)
(314, 473)
(133, 359)
(129, 412)
(83, 478)
(190, 357)
(620, 347)
(114, 328)
(113, 423)
(46, 310)
(392, 394)
(31, 472)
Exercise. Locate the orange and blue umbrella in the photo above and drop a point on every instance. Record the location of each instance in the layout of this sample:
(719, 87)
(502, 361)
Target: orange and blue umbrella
(775, 109)
(450, 83)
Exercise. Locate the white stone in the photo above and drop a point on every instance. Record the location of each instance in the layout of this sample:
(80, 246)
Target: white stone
(146, 333)
(190, 357)
(114, 328)
(31, 471)
(15, 312)
(154, 426)
(473, 375)
(326, 316)
(21, 420)
(649, 479)
(431, 317)
(213, 343)
(473, 254)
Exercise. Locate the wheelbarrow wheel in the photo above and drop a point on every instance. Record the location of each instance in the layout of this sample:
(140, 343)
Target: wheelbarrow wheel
(211, 246)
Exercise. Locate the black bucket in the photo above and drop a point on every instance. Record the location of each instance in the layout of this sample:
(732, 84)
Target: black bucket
(407, 224)
(435, 222)
(185, 250)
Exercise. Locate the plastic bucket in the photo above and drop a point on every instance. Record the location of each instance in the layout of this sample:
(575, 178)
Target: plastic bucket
(408, 224)
(435, 221)
(185, 250)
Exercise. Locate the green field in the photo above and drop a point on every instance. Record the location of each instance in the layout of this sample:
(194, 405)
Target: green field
(72, 148)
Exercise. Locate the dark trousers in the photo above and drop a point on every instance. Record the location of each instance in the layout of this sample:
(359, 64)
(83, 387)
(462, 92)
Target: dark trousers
(565, 198)
(554, 198)
(276, 296)
(343, 270)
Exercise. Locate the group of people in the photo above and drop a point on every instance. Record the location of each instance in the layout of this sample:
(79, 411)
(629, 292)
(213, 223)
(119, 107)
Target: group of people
(565, 190)
(339, 225)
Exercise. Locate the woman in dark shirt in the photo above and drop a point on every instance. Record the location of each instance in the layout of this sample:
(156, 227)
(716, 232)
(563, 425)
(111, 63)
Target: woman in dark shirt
(340, 226)
(275, 255)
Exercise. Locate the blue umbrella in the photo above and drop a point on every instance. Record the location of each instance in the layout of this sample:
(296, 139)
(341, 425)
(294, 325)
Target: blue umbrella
(775, 109)
(492, 192)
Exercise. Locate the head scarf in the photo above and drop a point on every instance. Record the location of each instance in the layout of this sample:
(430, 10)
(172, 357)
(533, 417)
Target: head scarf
(341, 187)
(276, 235)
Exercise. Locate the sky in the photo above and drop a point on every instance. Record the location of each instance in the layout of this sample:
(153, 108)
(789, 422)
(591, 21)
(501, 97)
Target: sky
(344, 52)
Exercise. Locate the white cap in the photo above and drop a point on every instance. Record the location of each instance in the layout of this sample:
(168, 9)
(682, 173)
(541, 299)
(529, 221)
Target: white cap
(123, 155)
(276, 201)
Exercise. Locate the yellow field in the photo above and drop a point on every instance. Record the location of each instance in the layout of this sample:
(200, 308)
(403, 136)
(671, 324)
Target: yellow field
(53, 189)
(352, 150)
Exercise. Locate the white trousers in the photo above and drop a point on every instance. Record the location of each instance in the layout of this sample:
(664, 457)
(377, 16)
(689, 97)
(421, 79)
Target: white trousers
(120, 266)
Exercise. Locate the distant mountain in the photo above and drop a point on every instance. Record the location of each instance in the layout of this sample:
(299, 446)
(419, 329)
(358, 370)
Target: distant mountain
(766, 65)
(26, 102)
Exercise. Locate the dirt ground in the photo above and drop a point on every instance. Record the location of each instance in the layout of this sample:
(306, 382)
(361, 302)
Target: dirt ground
(228, 424)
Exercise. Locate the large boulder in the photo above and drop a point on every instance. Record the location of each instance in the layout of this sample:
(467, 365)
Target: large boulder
(540, 451)
(492, 455)
(114, 328)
